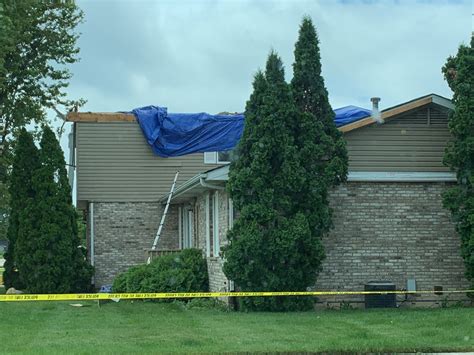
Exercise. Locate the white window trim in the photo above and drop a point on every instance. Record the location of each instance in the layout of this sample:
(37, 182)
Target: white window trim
(215, 224)
(190, 230)
(231, 213)
(208, 233)
(180, 227)
(213, 158)
(186, 227)
(210, 158)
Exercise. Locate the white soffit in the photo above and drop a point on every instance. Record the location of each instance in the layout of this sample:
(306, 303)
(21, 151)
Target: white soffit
(400, 176)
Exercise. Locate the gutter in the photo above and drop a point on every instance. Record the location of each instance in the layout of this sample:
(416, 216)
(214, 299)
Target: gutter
(197, 180)
(188, 185)
(210, 186)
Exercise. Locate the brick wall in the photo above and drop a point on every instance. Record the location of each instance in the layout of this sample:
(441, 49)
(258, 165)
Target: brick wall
(391, 231)
(217, 279)
(123, 231)
(218, 282)
(383, 231)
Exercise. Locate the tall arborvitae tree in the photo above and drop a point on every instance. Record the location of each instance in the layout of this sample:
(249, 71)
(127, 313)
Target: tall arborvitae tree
(25, 162)
(459, 156)
(48, 257)
(271, 247)
(321, 146)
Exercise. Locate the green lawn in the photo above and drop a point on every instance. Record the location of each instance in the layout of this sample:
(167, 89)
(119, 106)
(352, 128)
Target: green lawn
(153, 327)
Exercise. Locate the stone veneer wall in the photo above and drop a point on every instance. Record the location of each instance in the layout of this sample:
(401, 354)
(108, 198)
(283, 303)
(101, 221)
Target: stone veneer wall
(391, 231)
(123, 231)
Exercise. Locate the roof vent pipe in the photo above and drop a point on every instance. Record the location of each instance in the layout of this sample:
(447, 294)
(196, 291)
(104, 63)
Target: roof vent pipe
(375, 110)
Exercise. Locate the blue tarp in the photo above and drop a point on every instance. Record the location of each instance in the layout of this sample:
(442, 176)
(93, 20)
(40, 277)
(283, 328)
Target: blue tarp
(175, 134)
(349, 114)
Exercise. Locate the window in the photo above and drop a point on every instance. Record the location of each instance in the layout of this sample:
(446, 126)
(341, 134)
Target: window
(215, 224)
(186, 227)
(224, 157)
(212, 225)
(230, 213)
(208, 226)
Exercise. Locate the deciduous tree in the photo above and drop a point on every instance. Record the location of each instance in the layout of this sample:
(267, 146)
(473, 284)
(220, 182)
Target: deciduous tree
(37, 42)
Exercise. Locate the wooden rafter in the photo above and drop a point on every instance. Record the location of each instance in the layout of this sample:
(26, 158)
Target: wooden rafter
(100, 117)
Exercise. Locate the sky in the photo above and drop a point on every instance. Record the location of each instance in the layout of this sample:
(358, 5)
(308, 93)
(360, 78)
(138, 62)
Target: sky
(201, 55)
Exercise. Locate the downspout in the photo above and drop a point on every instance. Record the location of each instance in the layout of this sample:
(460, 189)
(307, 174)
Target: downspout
(72, 157)
(210, 186)
(91, 211)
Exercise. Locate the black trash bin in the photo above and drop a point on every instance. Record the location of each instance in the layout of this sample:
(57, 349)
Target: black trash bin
(380, 301)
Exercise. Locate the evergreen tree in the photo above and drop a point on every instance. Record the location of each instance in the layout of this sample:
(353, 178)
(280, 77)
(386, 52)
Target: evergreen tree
(25, 162)
(271, 237)
(48, 257)
(459, 155)
(322, 147)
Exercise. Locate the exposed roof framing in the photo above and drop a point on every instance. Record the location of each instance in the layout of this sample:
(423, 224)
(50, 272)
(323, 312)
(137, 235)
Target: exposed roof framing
(385, 114)
(100, 117)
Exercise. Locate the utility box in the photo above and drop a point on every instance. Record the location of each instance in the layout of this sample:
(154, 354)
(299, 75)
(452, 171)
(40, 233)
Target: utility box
(380, 300)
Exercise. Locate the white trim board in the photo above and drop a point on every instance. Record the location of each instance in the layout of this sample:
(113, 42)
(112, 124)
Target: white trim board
(400, 176)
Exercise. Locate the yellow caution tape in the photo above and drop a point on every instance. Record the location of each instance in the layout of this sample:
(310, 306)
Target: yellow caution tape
(135, 296)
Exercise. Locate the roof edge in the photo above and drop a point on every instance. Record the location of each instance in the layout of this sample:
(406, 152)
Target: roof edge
(390, 112)
(100, 117)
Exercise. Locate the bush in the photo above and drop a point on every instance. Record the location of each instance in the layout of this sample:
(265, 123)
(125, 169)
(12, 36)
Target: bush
(120, 283)
(182, 272)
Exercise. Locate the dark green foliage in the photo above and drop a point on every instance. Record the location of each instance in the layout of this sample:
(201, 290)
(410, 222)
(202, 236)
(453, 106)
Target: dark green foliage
(182, 272)
(120, 282)
(290, 155)
(271, 238)
(47, 253)
(459, 155)
(25, 162)
(321, 146)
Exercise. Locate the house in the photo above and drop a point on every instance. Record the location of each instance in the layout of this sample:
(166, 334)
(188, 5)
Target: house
(389, 222)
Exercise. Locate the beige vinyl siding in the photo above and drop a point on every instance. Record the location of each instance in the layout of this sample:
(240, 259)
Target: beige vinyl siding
(405, 143)
(115, 163)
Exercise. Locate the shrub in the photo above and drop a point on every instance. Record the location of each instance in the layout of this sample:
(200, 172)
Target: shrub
(182, 272)
(120, 283)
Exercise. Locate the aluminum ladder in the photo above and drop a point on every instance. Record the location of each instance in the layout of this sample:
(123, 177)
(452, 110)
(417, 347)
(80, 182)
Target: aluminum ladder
(163, 218)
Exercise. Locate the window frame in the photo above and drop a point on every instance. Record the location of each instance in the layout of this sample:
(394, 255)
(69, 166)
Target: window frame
(215, 225)
(213, 158)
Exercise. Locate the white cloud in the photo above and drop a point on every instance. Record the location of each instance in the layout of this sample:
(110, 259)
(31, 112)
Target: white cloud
(201, 55)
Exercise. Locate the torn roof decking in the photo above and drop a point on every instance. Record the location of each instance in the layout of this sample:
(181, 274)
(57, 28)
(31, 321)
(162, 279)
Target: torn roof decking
(100, 117)
(386, 114)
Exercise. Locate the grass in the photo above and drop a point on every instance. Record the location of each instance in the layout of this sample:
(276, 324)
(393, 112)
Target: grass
(140, 327)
